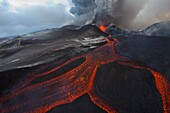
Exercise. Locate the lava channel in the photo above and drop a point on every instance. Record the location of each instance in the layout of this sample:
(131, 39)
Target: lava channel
(65, 88)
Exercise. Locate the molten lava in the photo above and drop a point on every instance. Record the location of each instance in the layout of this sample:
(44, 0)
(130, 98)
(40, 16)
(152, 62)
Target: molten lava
(71, 85)
(103, 28)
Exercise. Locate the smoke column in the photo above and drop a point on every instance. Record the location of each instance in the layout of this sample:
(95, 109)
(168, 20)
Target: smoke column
(129, 14)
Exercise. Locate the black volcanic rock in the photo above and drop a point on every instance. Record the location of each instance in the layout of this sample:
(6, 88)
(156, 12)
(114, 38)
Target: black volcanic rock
(127, 89)
(158, 29)
(83, 105)
(116, 31)
(153, 52)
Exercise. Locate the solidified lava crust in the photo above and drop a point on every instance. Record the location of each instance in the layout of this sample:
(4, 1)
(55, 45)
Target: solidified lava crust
(67, 87)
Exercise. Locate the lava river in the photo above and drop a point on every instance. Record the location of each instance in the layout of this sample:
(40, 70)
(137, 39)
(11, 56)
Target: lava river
(72, 84)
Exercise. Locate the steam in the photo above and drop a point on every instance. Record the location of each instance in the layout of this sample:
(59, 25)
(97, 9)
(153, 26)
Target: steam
(131, 14)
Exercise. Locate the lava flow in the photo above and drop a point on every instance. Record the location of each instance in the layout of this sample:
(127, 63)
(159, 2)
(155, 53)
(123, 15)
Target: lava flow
(65, 88)
(103, 28)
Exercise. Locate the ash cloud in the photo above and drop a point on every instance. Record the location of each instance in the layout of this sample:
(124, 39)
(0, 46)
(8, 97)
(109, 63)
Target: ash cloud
(84, 11)
(130, 14)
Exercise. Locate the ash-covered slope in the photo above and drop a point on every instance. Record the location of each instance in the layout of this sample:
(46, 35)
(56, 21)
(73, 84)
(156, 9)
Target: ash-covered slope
(158, 29)
(74, 70)
(44, 46)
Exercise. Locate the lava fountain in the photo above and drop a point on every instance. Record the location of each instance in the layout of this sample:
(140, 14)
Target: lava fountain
(103, 28)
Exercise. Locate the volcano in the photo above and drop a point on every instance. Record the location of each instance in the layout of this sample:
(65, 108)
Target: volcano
(86, 69)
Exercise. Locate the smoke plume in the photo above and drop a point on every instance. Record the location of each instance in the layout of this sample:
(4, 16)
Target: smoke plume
(131, 14)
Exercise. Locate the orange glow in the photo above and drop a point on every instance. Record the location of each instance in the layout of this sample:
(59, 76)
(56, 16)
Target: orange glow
(67, 87)
(164, 89)
(103, 28)
(107, 39)
(71, 85)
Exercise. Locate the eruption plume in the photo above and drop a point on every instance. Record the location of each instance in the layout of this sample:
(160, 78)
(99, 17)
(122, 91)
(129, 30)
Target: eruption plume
(129, 14)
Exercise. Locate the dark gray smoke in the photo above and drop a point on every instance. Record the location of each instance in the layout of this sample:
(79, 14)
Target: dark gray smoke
(83, 7)
(84, 10)
(132, 14)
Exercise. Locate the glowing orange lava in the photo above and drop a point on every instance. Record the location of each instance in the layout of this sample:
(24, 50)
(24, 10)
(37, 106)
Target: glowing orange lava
(64, 88)
(71, 85)
(103, 28)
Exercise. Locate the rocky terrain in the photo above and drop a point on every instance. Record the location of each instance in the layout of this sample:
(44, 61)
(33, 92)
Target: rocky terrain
(83, 69)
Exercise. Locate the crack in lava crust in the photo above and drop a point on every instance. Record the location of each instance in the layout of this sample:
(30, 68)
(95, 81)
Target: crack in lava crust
(71, 85)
